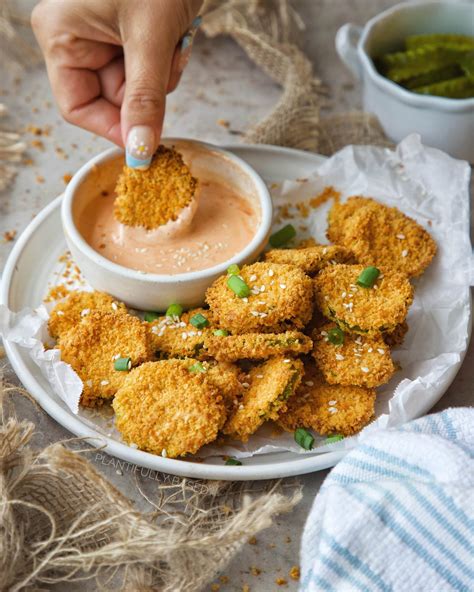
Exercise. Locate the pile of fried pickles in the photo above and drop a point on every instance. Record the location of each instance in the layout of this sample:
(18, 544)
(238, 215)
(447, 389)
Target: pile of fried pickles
(301, 338)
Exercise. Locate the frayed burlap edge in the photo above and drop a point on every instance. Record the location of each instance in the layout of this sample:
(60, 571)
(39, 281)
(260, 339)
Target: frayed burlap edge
(60, 520)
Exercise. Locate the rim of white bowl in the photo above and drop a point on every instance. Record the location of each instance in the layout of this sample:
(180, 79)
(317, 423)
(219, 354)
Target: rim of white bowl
(440, 103)
(263, 230)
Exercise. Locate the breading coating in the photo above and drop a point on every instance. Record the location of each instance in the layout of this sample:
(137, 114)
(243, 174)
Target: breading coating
(338, 215)
(226, 377)
(384, 237)
(326, 408)
(157, 195)
(358, 361)
(165, 409)
(281, 299)
(94, 345)
(355, 309)
(397, 336)
(177, 337)
(311, 259)
(267, 391)
(69, 312)
(255, 346)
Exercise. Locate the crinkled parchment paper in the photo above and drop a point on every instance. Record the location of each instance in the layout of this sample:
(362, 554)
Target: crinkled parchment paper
(425, 184)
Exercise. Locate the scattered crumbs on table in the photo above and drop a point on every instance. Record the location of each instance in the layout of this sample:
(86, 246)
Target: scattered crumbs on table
(2, 352)
(39, 144)
(223, 123)
(215, 587)
(40, 179)
(294, 573)
(9, 236)
(245, 588)
(252, 541)
(224, 579)
(281, 581)
(67, 177)
(255, 571)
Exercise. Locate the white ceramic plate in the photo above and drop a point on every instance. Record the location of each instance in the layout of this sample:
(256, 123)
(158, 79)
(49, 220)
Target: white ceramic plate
(25, 280)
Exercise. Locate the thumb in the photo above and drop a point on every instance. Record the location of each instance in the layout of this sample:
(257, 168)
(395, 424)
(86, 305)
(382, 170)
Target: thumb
(147, 71)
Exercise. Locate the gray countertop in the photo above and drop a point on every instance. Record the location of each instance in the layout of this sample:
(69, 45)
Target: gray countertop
(212, 89)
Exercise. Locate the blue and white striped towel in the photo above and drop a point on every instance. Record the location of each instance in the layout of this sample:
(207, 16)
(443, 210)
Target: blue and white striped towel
(397, 513)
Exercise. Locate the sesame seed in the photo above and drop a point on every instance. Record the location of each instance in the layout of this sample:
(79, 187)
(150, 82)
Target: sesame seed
(114, 306)
(254, 313)
(324, 332)
(404, 252)
(370, 350)
(309, 383)
(252, 278)
(364, 369)
(262, 288)
(282, 286)
(381, 351)
(104, 382)
(133, 445)
(326, 298)
(85, 312)
(343, 295)
(358, 340)
(116, 357)
(401, 236)
(325, 250)
(184, 335)
(259, 375)
(376, 287)
(358, 355)
(332, 403)
(271, 272)
(89, 383)
(241, 406)
(286, 360)
(60, 313)
(245, 299)
(164, 454)
(339, 357)
(332, 410)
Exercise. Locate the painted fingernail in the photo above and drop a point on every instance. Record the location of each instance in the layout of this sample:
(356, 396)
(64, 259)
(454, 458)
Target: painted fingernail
(139, 149)
(186, 42)
(196, 22)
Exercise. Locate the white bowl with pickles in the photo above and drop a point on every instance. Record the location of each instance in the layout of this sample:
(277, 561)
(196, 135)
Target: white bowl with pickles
(415, 62)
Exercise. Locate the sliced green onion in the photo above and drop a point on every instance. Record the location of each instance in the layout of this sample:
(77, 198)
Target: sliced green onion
(197, 367)
(233, 269)
(336, 336)
(174, 310)
(123, 364)
(335, 438)
(220, 333)
(233, 461)
(368, 277)
(304, 438)
(199, 321)
(282, 236)
(238, 286)
(151, 316)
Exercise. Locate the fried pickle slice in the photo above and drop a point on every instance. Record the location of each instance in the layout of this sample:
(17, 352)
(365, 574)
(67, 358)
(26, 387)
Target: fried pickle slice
(311, 259)
(367, 311)
(94, 344)
(157, 195)
(255, 346)
(385, 237)
(267, 391)
(164, 408)
(358, 361)
(69, 312)
(280, 299)
(177, 337)
(326, 408)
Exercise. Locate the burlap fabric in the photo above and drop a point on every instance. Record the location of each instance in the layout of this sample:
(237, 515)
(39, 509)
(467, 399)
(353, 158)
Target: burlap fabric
(60, 520)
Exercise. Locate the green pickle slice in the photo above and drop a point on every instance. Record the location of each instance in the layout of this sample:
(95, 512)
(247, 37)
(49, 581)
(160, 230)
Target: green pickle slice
(457, 88)
(439, 40)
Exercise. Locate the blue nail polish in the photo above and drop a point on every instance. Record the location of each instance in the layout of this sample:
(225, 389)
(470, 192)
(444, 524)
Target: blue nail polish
(196, 22)
(186, 42)
(136, 163)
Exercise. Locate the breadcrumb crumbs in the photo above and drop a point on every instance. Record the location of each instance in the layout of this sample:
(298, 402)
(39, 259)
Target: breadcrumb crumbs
(9, 236)
(255, 571)
(252, 541)
(281, 581)
(294, 573)
(67, 177)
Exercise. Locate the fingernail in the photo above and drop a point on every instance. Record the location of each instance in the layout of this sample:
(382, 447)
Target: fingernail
(196, 22)
(186, 42)
(139, 149)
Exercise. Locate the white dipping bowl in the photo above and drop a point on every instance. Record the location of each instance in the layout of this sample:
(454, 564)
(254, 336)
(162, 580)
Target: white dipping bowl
(444, 123)
(149, 291)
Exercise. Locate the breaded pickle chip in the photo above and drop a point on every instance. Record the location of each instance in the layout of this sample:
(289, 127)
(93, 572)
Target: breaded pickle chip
(269, 387)
(311, 259)
(357, 361)
(177, 337)
(326, 408)
(338, 215)
(226, 378)
(69, 312)
(385, 237)
(281, 298)
(164, 408)
(157, 195)
(256, 346)
(368, 311)
(94, 345)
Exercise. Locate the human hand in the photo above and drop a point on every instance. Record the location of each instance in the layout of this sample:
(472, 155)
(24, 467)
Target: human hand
(111, 64)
